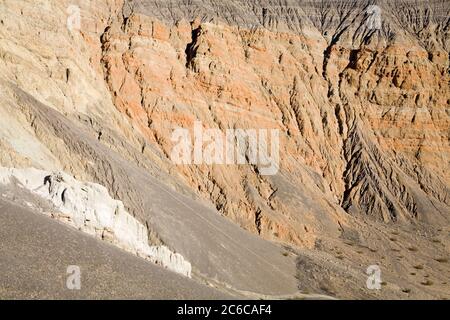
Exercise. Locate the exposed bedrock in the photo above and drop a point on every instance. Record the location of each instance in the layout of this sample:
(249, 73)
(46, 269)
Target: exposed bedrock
(89, 208)
(359, 91)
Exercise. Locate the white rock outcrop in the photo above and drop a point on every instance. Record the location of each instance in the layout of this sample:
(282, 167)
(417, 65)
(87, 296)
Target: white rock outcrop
(90, 208)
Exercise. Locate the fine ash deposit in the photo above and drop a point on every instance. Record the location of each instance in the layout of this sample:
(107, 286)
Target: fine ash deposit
(358, 91)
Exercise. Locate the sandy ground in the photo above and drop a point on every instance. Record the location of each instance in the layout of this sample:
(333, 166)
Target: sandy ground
(35, 252)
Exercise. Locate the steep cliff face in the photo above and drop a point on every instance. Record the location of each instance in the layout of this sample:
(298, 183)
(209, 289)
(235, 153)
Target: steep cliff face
(321, 86)
(359, 92)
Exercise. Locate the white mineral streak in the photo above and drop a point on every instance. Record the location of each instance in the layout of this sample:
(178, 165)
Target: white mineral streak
(90, 208)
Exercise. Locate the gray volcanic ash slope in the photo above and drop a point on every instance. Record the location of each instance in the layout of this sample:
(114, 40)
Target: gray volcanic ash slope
(358, 91)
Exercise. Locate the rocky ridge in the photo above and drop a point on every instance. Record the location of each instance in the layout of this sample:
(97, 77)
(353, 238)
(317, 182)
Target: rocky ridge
(90, 209)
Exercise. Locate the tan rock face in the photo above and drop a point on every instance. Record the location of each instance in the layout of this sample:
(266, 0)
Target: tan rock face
(316, 93)
(362, 111)
(226, 79)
